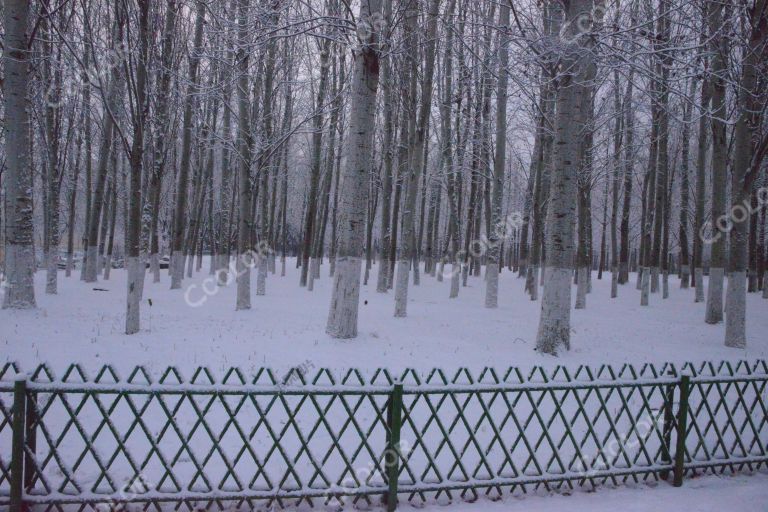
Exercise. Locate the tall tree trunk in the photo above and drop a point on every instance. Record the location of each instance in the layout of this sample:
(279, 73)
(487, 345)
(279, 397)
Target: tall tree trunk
(317, 150)
(190, 99)
(243, 266)
(736, 297)
(265, 164)
(498, 230)
(416, 158)
(134, 264)
(685, 257)
(555, 325)
(73, 179)
(615, 178)
(52, 75)
(629, 166)
(110, 99)
(88, 161)
(19, 227)
(161, 148)
(701, 190)
(719, 53)
(342, 317)
(387, 72)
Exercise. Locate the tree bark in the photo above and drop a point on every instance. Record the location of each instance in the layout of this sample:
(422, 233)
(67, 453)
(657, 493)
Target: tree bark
(19, 229)
(342, 317)
(190, 99)
(498, 227)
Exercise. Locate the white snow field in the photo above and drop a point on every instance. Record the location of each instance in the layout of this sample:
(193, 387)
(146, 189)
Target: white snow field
(709, 494)
(286, 327)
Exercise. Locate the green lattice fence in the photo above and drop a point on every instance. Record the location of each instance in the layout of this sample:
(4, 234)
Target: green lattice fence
(260, 440)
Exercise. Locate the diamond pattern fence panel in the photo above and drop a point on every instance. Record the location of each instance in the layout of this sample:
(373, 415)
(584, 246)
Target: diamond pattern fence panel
(258, 440)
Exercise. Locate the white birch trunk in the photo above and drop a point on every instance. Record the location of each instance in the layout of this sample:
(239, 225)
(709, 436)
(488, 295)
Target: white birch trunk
(736, 310)
(581, 287)
(19, 230)
(554, 324)
(261, 275)
(244, 263)
(714, 313)
(645, 286)
(719, 50)
(698, 275)
(455, 284)
(408, 249)
(497, 228)
(533, 289)
(345, 298)
(180, 216)
(135, 269)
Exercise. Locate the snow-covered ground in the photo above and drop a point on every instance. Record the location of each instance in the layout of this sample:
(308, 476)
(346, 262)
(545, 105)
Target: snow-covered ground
(710, 494)
(287, 327)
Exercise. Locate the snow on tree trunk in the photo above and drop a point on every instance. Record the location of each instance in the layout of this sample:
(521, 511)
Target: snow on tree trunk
(719, 52)
(342, 317)
(581, 287)
(699, 280)
(555, 322)
(134, 262)
(180, 214)
(497, 228)
(387, 71)
(114, 92)
(19, 230)
(416, 155)
(52, 75)
(645, 286)
(243, 264)
(736, 299)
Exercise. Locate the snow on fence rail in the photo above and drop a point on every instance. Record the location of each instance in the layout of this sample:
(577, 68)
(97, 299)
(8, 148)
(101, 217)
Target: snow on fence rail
(363, 438)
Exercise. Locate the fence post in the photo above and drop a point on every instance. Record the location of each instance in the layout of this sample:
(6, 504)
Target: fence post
(392, 454)
(669, 404)
(30, 440)
(682, 430)
(17, 444)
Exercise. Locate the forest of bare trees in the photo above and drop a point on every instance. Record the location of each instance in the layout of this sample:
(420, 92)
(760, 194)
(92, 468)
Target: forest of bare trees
(381, 143)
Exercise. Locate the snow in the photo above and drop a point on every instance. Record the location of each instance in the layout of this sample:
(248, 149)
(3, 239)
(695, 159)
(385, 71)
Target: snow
(709, 494)
(286, 328)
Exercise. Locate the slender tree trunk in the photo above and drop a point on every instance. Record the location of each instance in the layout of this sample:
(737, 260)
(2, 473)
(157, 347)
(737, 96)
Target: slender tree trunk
(498, 230)
(161, 148)
(111, 241)
(243, 266)
(416, 157)
(75, 174)
(685, 258)
(387, 71)
(88, 161)
(629, 166)
(317, 149)
(52, 75)
(719, 52)
(265, 167)
(111, 99)
(134, 264)
(190, 99)
(701, 191)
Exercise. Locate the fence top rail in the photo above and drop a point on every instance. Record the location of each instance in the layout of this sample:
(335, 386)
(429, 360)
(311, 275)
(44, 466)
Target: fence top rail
(306, 379)
(420, 389)
(245, 389)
